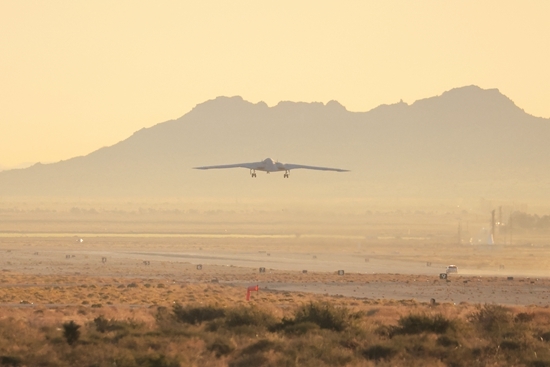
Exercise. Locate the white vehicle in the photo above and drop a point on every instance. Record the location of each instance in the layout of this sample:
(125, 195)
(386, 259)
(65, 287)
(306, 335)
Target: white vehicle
(269, 165)
(451, 269)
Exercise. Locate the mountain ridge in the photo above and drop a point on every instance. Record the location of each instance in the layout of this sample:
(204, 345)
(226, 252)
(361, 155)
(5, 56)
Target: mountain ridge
(465, 134)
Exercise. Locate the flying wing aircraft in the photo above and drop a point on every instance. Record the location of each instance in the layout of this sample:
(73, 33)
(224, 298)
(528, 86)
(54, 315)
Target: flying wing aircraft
(269, 165)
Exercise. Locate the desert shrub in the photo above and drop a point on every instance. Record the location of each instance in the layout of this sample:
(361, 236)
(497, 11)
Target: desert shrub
(250, 360)
(323, 314)
(351, 344)
(157, 361)
(71, 332)
(384, 331)
(255, 354)
(260, 346)
(163, 313)
(221, 347)
(524, 317)
(196, 314)
(104, 325)
(493, 319)
(352, 341)
(510, 345)
(319, 350)
(298, 329)
(372, 311)
(248, 316)
(378, 352)
(10, 361)
(447, 342)
(167, 326)
(416, 324)
(540, 363)
(101, 324)
(545, 336)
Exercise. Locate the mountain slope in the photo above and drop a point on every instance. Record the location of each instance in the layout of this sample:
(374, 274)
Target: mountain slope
(466, 142)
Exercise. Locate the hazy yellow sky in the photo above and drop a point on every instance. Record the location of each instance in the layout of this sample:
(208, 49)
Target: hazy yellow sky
(79, 75)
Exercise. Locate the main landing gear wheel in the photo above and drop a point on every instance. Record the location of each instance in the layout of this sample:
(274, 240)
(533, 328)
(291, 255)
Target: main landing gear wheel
(253, 173)
(286, 174)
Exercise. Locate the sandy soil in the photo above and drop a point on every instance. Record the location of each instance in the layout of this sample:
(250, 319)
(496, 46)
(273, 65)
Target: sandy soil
(39, 270)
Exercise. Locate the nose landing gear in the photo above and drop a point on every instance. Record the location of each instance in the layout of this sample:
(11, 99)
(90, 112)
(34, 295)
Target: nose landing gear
(253, 173)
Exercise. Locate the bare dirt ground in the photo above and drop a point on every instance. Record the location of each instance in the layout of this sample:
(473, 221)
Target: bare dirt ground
(59, 269)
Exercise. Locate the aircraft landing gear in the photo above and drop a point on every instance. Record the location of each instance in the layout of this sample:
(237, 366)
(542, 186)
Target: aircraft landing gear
(253, 173)
(286, 174)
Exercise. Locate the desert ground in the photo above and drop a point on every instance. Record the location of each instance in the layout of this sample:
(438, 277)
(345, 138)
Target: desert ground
(394, 271)
(376, 269)
(128, 278)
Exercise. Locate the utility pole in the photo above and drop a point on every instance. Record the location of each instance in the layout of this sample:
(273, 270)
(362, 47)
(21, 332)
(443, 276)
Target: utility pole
(493, 227)
(499, 225)
(511, 228)
(459, 233)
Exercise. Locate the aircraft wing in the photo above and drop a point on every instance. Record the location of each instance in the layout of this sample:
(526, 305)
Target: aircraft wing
(252, 165)
(290, 166)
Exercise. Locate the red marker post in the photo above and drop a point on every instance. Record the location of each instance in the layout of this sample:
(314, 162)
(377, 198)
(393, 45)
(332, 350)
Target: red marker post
(252, 288)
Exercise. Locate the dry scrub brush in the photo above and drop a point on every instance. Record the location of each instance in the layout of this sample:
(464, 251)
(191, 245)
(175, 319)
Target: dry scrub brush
(312, 334)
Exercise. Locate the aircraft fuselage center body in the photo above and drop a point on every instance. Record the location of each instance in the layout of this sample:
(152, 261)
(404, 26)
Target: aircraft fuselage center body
(268, 165)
